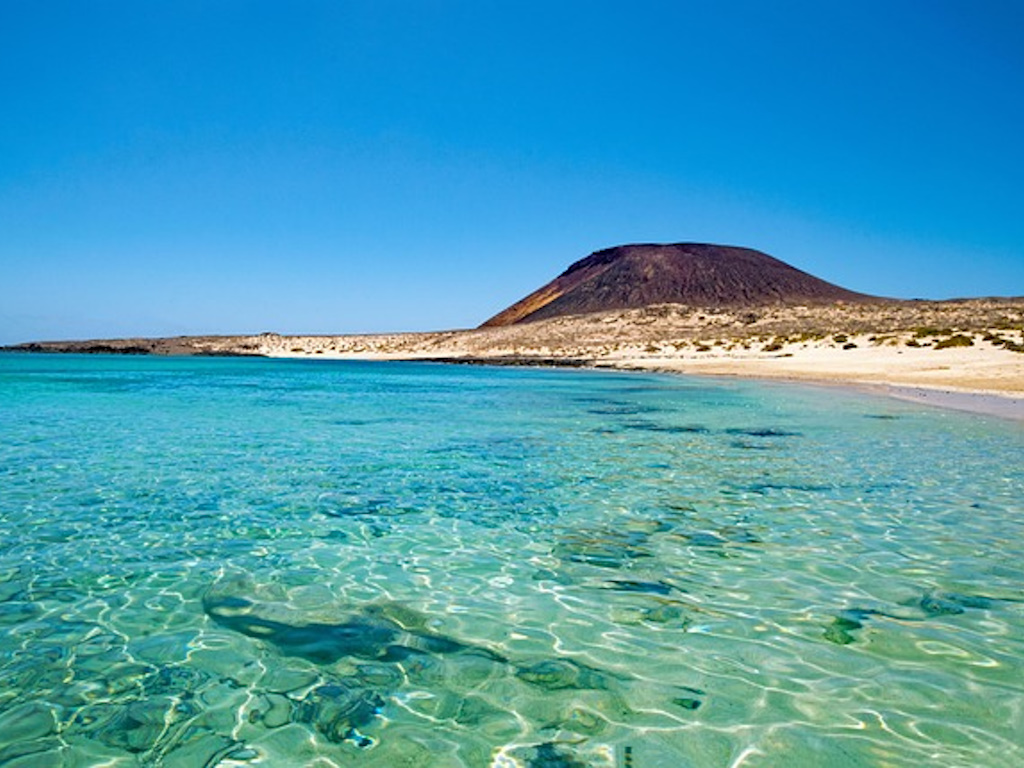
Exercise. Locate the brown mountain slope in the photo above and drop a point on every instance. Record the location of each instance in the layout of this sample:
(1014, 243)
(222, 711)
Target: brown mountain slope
(632, 276)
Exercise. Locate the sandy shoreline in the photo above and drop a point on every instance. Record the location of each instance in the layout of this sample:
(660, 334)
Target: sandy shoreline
(979, 379)
(966, 354)
(1001, 405)
(982, 379)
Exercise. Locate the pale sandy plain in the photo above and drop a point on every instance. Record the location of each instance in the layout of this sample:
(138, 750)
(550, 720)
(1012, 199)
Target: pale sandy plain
(965, 354)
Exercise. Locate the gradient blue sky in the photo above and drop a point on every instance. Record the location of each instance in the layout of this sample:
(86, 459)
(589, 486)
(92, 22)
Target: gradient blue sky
(228, 167)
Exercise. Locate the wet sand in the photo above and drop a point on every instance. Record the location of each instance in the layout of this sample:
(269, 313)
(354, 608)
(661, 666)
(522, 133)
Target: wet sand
(975, 402)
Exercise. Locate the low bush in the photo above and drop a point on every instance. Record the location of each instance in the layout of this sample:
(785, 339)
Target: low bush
(959, 340)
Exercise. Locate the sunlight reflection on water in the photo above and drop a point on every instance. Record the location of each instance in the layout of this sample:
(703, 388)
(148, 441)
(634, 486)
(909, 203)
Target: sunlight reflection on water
(225, 562)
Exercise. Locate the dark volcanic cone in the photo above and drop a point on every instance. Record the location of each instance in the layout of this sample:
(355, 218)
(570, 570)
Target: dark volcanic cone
(631, 276)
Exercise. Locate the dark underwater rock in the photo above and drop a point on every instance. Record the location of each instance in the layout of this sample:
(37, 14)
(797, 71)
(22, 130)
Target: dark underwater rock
(559, 674)
(762, 432)
(337, 710)
(607, 549)
(763, 488)
(648, 587)
(671, 429)
(687, 702)
(550, 755)
(937, 603)
(369, 636)
(842, 626)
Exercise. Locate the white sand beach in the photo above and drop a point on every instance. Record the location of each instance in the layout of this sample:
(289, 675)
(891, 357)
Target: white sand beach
(980, 378)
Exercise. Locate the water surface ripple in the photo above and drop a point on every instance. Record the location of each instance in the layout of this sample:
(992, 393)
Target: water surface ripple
(213, 562)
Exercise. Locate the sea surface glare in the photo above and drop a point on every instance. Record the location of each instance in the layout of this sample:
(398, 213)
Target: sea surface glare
(235, 562)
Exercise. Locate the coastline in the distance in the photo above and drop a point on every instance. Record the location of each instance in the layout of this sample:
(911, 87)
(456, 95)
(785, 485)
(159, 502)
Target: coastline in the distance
(697, 309)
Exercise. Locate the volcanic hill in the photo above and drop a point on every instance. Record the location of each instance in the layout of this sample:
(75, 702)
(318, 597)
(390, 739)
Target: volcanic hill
(695, 274)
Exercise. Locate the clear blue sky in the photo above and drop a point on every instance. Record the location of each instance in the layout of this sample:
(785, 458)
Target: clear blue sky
(329, 166)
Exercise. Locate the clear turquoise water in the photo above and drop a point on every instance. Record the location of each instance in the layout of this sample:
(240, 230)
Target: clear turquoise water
(280, 563)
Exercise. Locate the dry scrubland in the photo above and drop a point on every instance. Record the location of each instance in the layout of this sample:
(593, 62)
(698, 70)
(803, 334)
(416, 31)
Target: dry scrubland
(971, 345)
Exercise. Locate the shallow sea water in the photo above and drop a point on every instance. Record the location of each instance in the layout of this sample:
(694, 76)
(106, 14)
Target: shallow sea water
(245, 562)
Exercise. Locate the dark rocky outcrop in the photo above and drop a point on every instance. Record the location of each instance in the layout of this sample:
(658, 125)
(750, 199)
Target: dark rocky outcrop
(633, 276)
(198, 346)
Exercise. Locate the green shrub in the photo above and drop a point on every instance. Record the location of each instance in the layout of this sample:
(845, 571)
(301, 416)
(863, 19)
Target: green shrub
(999, 341)
(959, 340)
